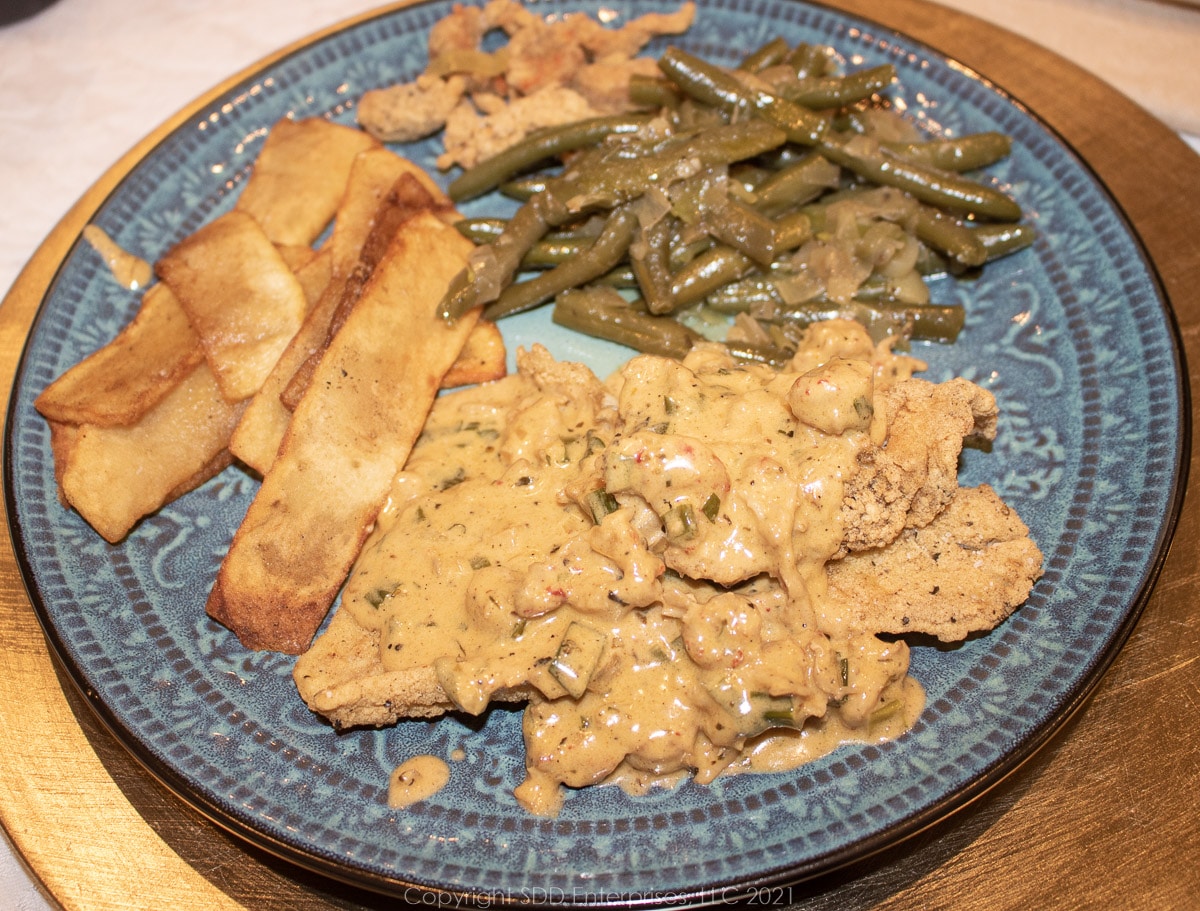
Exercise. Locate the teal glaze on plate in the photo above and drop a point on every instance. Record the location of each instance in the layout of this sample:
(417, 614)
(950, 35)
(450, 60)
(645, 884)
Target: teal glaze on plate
(1074, 338)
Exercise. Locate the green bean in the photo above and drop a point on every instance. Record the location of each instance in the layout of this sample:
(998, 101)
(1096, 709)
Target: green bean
(650, 258)
(937, 188)
(473, 286)
(653, 92)
(1001, 240)
(557, 247)
(967, 153)
(797, 183)
(921, 322)
(809, 60)
(480, 230)
(714, 86)
(742, 228)
(752, 293)
(522, 189)
(539, 146)
(925, 322)
(700, 208)
(838, 91)
(602, 256)
(997, 240)
(949, 236)
(604, 313)
(773, 52)
(722, 264)
(620, 180)
(575, 192)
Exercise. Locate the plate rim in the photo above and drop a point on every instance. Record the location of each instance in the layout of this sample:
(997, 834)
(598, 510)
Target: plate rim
(58, 245)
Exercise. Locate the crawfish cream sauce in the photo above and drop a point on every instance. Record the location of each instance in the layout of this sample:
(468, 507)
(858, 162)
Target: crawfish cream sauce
(642, 561)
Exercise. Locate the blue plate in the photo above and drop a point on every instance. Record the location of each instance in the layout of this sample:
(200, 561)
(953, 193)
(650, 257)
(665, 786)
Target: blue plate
(1074, 338)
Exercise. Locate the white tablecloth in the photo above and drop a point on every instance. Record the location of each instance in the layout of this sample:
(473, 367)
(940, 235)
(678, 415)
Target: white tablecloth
(83, 81)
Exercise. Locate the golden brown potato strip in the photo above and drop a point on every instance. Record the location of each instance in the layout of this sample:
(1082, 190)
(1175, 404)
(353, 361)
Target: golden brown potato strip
(116, 475)
(314, 276)
(348, 437)
(240, 296)
(120, 382)
(374, 175)
(62, 438)
(406, 197)
(483, 358)
(299, 176)
(297, 256)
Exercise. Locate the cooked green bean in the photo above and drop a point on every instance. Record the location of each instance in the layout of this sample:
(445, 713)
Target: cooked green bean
(621, 179)
(474, 286)
(773, 52)
(809, 60)
(998, 240)
(949, 236)
(523, 188)
(1001, 240)
(539, 146)
(772, 355)
(751, 293)
(742, 228)
(653, 92)
(553, 248)
(838, 91)
(722, 264)
(797, 183)
(943, 189)
(602, 256)
(604, 313)
(701, 207)
(714, 86)
(926, 322)
(480, 230)
(967, 153)
(650, 258)
(922, 322)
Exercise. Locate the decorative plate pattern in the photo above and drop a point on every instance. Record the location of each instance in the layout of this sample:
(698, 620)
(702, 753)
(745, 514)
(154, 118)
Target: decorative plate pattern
(1074, 338)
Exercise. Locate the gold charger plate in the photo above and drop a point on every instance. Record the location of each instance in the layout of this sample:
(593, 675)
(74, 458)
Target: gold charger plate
(1103, 814)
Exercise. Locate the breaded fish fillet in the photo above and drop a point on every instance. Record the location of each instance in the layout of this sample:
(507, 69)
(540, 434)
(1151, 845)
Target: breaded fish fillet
(914, 475)
(964, 571)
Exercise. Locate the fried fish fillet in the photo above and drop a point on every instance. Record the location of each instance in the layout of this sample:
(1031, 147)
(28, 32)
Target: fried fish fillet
(948, 561)
(963, 572)
(911, 478)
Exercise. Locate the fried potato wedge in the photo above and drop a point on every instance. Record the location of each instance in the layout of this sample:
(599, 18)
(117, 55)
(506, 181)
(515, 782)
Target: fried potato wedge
(240, 296)
(113, 476)
(483, 358)
(298, 177)
(297, 256)
(62, 437)
(369, 209)
(349, 436)
(117, 384)
(407, 194)
(314, 275)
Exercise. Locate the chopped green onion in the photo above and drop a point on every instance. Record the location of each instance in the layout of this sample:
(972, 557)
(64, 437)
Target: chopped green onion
(601, 503)
(577, 658)
(679, 522)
